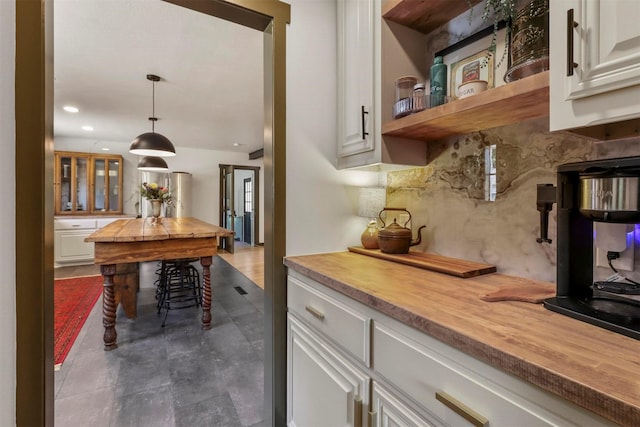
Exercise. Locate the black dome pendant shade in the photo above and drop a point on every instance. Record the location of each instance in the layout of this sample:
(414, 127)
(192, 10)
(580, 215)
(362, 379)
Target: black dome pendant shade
(151, 143)
(153, 164)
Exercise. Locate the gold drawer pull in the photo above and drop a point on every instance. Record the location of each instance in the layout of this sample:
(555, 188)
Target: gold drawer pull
(373, 419)
(461, 409)
(357, 412)
(315, 313)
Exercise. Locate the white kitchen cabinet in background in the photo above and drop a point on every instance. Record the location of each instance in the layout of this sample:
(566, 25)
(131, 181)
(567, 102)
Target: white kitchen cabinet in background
(595, 57)
(69, 234)
(69, 246)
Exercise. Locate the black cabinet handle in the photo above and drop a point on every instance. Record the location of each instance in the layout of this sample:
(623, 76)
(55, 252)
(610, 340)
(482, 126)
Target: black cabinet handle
(571, 24)
(362, 114)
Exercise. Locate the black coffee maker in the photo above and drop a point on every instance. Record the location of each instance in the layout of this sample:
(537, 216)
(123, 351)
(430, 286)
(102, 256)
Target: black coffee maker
(605, 191)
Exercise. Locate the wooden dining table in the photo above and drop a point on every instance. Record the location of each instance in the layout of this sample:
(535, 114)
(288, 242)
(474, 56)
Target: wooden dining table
(144, 239)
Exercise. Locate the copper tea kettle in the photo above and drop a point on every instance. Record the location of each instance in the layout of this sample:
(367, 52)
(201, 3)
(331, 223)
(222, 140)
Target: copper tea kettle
(394, 238)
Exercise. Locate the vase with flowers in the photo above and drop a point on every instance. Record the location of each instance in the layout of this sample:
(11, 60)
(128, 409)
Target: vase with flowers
(157, 196)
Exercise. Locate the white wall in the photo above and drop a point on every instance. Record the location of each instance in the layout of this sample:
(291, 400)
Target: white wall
(7, 216)
(202, 164)
(321, 201)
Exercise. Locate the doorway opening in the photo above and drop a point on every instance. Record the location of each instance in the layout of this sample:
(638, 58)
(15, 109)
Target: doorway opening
(239, 205)
(34, 219)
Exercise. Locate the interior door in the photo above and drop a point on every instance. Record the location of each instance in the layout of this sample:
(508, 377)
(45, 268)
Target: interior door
(227, 213)
(248, 210)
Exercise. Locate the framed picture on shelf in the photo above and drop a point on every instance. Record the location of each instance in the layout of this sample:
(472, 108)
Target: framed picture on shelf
(469, 64)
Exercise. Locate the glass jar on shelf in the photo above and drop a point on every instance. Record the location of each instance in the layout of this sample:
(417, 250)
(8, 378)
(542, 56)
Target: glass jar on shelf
(419, 100)
(404, 96)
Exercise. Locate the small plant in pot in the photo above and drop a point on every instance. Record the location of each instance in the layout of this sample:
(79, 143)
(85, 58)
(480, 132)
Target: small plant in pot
(497, 11)
(526, 35)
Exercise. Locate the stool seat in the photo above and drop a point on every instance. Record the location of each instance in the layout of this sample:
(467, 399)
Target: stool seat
(178, 286)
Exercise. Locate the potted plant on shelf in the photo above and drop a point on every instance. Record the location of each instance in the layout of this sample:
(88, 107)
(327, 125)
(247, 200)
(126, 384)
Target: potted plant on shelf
(497, 11)
(526, 35)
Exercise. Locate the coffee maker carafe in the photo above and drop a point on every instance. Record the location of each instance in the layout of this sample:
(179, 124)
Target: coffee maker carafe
(598, 204)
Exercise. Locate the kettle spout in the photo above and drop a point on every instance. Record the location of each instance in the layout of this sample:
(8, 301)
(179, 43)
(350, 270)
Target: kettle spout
(419, 239)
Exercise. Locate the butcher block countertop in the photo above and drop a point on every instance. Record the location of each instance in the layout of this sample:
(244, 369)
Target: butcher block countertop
(587, 365)
(143, 229)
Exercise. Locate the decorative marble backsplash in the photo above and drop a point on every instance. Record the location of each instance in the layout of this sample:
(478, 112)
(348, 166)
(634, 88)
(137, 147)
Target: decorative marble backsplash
(451, 196)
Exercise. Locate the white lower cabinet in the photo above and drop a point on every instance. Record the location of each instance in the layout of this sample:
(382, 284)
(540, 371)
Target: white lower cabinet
(69, 245)
(404, 377)
(324, 389)
(460, 390)
(388, 410)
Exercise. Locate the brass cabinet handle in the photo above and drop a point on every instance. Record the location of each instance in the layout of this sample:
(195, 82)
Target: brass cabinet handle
(571, 24)
(357, 412)
(373, 418)
(461, 409)
(315, 313)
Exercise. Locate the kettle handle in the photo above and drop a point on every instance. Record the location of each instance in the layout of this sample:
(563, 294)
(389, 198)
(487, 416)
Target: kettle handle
(394, 209)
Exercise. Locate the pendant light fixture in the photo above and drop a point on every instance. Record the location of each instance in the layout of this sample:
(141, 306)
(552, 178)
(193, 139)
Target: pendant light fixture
(153, 164)
(151, 143)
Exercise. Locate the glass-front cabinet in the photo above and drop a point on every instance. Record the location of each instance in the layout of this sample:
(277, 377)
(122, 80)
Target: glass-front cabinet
(87, 184)
(72, 179)
(107, 176)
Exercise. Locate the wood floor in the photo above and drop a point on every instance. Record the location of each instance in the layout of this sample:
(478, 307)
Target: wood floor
(248, 260)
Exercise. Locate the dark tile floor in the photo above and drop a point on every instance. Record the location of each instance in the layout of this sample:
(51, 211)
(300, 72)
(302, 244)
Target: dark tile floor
(178, 375)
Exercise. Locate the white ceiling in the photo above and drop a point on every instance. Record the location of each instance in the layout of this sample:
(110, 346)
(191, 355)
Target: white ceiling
(211, 92)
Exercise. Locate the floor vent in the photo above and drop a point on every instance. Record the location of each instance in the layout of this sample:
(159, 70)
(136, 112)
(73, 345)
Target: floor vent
(240, 290)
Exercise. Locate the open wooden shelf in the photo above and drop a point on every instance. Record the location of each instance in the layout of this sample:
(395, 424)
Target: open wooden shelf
(514, 102)
(424, 16)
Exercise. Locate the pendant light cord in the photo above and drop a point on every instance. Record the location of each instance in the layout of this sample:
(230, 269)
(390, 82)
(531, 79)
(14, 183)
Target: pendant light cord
(153, 106)
(153, 78)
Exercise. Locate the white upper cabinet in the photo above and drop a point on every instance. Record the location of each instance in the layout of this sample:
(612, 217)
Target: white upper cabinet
(357, 75)
(595, 57)
(364, 43)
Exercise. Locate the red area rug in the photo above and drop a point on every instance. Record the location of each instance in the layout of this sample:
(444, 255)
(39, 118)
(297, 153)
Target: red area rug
(73, 300)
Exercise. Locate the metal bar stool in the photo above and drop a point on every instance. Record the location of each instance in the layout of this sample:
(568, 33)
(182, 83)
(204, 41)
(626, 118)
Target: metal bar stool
(178, 286)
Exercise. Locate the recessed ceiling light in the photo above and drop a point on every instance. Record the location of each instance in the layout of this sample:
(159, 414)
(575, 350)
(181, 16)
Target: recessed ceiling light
(70, 109)
(87, 128)
(106, 149)
(237, 144)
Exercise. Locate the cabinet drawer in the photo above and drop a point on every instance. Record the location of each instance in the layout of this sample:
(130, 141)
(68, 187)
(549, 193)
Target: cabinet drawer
(101, 222)
(340, 323)
(421, 372)
(74, 224)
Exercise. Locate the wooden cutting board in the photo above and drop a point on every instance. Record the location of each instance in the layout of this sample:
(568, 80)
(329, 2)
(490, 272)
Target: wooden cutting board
(441, 264)
(533, 293)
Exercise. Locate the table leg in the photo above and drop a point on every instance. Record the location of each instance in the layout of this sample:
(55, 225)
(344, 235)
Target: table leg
(206, 291)
(109, 307)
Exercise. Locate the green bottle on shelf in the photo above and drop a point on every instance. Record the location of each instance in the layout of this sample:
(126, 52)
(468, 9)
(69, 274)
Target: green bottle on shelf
(438, 82)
